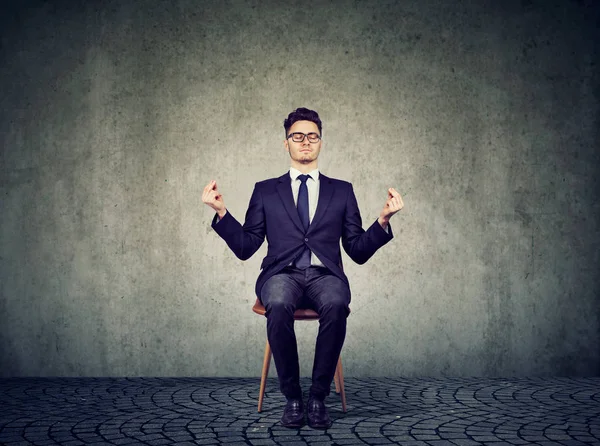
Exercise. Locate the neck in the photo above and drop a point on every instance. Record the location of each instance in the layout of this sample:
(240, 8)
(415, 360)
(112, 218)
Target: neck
(305, 168)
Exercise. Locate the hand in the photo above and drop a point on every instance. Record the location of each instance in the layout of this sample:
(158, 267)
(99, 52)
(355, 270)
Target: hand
(393, 204)
(214, 199)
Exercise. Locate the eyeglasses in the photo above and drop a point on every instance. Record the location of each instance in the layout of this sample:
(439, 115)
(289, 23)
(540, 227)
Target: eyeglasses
(299, 137)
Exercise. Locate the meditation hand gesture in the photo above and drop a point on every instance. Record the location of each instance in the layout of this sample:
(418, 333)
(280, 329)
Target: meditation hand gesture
(214, 199)
(393, 204)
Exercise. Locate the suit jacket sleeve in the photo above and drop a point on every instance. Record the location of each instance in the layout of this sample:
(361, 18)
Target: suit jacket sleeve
(360, 245)
(244, 240)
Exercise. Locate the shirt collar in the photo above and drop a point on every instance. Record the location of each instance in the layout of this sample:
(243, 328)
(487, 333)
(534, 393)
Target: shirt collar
(295, 173)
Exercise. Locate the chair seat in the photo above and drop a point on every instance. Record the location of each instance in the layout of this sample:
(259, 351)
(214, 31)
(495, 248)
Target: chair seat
(301, 314)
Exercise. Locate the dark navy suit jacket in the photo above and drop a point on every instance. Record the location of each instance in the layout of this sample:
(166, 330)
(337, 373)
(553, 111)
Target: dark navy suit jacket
(272, 213)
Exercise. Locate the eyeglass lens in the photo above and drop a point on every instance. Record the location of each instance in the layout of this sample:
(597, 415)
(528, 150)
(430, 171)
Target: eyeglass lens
(299, 137)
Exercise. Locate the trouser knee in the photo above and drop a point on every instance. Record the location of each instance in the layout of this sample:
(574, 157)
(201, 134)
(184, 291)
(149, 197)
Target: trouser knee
(280, 310)
(334, 311)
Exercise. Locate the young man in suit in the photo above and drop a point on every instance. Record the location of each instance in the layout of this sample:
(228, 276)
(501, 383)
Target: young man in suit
(303, 214)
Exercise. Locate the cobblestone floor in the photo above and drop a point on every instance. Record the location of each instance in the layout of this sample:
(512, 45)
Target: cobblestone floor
(210, 411)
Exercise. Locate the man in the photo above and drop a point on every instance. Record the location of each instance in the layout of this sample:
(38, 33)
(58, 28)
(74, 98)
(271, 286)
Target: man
(303, 214)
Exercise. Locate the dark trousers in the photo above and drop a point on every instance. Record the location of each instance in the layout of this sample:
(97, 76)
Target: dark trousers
(316, 288)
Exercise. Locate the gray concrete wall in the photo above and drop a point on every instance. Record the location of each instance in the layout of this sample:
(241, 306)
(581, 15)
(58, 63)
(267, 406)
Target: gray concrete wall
(484, 115)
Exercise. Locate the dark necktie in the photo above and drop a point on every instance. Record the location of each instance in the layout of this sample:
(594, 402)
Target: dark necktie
(303, 261)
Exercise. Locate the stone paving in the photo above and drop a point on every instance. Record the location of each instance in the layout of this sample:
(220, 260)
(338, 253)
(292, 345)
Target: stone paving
(211, 411)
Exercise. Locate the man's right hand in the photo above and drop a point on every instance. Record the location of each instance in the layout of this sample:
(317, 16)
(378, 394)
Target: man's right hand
(214, 199)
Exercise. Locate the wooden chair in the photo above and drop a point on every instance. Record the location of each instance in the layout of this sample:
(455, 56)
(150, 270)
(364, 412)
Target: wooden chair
(304, 314)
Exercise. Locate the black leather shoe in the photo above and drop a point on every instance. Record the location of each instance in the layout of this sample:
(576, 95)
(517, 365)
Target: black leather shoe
(318, 418)
(293, 414)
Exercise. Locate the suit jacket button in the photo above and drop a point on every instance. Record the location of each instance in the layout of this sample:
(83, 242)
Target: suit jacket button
(305, 239)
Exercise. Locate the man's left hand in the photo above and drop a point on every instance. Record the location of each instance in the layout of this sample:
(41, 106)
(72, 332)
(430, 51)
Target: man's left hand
(393, 204)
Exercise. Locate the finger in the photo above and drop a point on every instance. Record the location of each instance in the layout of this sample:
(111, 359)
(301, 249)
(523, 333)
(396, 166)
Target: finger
(394, 193)
(210, 186)
(209, 195)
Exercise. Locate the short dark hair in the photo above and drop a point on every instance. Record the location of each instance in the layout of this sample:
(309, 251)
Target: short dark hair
(302, 114)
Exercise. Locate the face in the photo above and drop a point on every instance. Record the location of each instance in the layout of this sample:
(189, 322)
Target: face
(304, 152)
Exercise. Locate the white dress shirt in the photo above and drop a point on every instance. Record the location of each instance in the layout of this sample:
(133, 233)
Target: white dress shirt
(312, 184)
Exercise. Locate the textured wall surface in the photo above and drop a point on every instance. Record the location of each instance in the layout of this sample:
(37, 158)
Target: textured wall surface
(115, 115)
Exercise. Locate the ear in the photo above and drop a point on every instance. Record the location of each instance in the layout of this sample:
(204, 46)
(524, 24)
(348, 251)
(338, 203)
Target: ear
(285, 144)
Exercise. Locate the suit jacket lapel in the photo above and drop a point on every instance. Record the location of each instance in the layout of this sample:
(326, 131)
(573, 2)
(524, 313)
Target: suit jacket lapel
(325, 194)
(284, 188)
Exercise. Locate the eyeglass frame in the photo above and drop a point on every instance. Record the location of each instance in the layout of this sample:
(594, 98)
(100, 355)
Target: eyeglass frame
(305, 136)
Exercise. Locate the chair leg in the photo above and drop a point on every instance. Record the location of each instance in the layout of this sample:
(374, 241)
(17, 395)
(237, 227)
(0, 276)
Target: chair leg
(340, 374)
(263, 377)
(336, 379)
